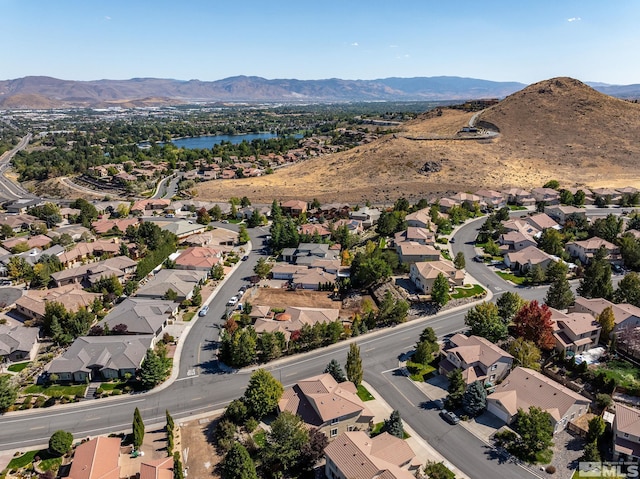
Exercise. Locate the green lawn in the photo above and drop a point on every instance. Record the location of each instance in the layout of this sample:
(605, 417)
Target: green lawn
(26, 459)
(419, 372)
(511, 277)
(363, 394)
(56, 390)
(516, 208)
(17, 367)
(188, 316)
(625, 374)
(445, 253)
(260, 438)
(377, 429)
(467, 292)
(52, 464)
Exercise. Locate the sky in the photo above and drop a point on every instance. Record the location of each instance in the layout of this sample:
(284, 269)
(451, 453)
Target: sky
(524, 41)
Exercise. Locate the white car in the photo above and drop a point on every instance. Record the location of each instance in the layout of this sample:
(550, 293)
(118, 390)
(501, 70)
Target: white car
(204, 310)
(233, 301)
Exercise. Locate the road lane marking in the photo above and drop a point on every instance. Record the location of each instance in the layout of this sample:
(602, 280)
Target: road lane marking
(5, 421)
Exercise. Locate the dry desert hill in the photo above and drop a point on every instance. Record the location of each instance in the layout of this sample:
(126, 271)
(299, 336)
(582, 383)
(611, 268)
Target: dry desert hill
(555, 129)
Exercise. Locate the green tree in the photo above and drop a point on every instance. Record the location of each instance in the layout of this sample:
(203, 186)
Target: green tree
(607, 322)
(437, 470)
(394, 425)
(456, 389)
(440, 290)
(335, 370)
(138, 429)
(559, 295)
(6, 231)
(153, 370)
(262, 268)
(237, 464)
(578, 198)
(629, 289)
(60, 443)
(607, 228)
(8, 393)
(217, 272)
(178, 470)
(551, 242)
(525, 353)
(596, 282)
(262, 394)
(535, 430)
(596, 428)
(285, 441)
(459, 261)
(243, 235)
(491, 248)
(424, 352)
(484, 320)
(536, 275)
(216, 213)
(533, 323)
(630, 250)
(354, 365)
(553, 184)
(508, 305)
(474, 399)
(591, 452)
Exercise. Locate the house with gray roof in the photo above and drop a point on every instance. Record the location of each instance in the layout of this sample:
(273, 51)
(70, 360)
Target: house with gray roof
(626, 433)
(142, 315)
(18, 343)
(100, 357)
(181, 281)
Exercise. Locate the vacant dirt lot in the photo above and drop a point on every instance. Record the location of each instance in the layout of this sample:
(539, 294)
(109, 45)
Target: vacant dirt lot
(201, 457)
(280, 298)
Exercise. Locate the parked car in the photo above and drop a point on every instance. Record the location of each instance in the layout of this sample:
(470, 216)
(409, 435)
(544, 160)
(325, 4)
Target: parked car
(450, 417)
(204, 310)
(232, 301)
(438, 404)
(245, 257)
(478, 259)
(452, 240)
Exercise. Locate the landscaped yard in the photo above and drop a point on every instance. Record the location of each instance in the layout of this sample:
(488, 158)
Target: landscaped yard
(467, 291)
(419, 372)
(17, 367)
(56, 390)
(188, 316)
(511, 277)
(625, 374)
(363, 394)
(377, 429)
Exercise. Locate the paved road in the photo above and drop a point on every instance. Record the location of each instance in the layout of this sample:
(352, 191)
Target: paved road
(8, 189)
(201, 386)
(168, 187)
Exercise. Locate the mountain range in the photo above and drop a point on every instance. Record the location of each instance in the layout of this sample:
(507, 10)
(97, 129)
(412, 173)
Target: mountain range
(47, 92)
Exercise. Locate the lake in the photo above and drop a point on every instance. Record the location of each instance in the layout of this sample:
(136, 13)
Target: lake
(207, 141)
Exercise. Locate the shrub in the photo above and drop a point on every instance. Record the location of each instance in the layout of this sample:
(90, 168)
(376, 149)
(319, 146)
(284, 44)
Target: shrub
(550, 469)
(251, 425)
(60, 442)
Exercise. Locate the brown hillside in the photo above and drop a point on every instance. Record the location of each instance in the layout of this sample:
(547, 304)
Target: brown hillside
(558, 128)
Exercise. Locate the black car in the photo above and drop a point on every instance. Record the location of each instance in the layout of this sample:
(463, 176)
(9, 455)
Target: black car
(450, 417)
(438, 404)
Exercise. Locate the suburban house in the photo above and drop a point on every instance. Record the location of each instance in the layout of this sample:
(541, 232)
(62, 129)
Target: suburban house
(142, 316)
(33, 303)
(306, 253)
(548, 196)
(150, 205)
(610, 195)
(516, 241)
(18, 343)
(419, 219)
(96, 459)
(329, 406)
(103, 226)
(157, 469)
(626, 434)
(312, 278)
(215, 237)
(525, 387)
(575, 332)
(527, 258)
(542, 221)
(479, 359)
(198, 258)
(38, 241)
(21, 205)
(76, 232)
(19, 222)
(356, 455)
(412, 252)
(311, 229)
(445, 204)
(181, 228)
(521, 226)
(368, 216)
(518, 196)
(626, 315)
(100, 357)
(423, 274)
(560, 213)
(353, 226)
(180, 281)
(585, 250)
(494, 199)
(294, 318)
(120, 267)
(467, 199)
(294, 207)
(417, 235)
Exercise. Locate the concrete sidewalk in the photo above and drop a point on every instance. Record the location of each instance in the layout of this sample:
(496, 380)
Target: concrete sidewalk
(381, 411)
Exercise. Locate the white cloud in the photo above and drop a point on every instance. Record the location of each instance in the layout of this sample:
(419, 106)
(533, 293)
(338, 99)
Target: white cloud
(393, 46)
(107, 18)
(354, 44)
(574, 19)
